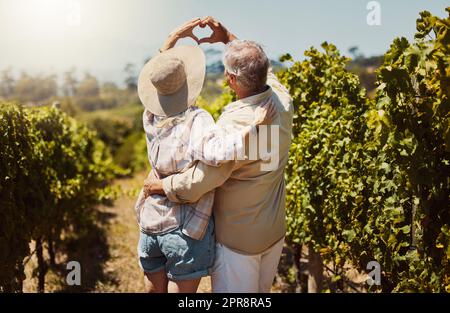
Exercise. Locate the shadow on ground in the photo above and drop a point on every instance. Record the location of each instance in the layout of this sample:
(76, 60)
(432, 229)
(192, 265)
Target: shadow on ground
(89, 246)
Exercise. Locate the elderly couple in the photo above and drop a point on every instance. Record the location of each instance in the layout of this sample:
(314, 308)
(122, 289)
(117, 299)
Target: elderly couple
(207, 207)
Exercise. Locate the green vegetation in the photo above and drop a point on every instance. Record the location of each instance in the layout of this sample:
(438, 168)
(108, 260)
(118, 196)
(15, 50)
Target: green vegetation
(121, 130)
(54, 171)
(369, 180)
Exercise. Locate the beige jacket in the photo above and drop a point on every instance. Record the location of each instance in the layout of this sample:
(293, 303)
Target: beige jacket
(249, 205)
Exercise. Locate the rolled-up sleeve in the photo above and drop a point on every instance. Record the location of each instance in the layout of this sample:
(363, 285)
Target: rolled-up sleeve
(189, 186)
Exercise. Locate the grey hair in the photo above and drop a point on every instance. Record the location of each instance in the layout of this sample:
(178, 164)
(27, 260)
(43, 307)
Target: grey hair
(247, 60)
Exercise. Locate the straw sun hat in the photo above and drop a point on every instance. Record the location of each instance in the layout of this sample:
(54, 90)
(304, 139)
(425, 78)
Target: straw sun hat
(171, 81)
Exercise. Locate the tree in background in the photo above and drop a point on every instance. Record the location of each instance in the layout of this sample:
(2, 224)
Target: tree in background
(88, 87)
(70, 83)
(7, 83)
(131, 77)
(35, 90)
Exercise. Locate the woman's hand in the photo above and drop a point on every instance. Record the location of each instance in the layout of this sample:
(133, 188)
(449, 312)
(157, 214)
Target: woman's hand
(153, 186)
(183, 31)
(265, 113)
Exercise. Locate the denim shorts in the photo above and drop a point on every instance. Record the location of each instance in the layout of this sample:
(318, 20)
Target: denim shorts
(182, 257)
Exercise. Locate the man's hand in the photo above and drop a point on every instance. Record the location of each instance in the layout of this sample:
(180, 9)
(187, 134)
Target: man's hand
(219, 32)
(183, 31)
(153, 186)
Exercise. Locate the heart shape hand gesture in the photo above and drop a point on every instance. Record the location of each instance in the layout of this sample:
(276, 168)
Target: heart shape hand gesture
(219, 32)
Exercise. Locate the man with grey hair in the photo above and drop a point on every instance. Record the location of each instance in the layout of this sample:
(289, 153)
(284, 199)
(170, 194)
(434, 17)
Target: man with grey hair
(248, 65)
(249, 205)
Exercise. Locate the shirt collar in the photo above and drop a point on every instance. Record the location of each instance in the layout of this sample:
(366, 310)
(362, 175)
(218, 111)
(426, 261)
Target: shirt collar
(252, 100)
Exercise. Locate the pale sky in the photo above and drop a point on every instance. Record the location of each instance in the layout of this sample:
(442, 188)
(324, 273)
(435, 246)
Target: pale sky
(103, 35)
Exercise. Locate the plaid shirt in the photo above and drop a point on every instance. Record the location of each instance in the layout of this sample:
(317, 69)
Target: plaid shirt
(174, 145)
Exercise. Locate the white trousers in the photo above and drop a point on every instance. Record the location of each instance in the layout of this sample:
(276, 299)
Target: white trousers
(235, 272)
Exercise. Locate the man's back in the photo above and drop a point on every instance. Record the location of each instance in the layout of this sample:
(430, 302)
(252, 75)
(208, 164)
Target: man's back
(249, 207)
(249, 204)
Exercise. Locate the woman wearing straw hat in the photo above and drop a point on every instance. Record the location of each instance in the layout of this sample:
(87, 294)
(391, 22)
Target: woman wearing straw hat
(176, 245)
